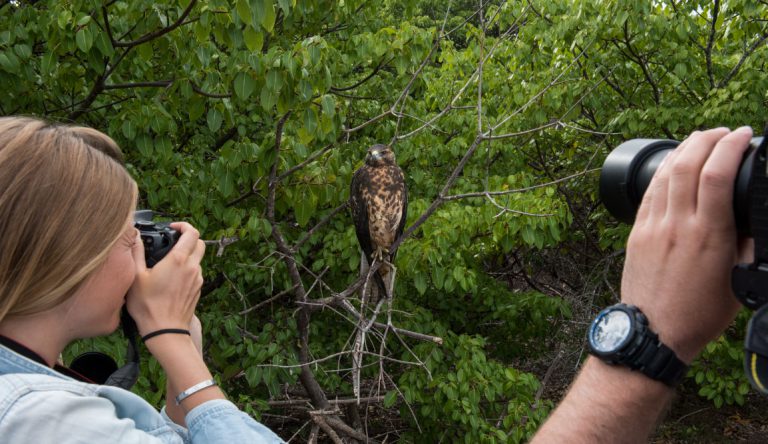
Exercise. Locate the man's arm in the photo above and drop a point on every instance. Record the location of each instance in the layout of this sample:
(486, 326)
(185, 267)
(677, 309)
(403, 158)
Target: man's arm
(607, 404)
(677, 271)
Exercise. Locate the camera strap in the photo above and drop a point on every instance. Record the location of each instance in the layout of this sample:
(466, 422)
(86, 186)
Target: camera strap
(100, 368)
(750, 281)
(127, 375)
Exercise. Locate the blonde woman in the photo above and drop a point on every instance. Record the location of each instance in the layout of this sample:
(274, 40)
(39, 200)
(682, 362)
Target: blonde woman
(69, 260)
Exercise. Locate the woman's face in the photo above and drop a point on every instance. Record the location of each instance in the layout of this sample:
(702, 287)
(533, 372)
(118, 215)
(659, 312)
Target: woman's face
(102, 296)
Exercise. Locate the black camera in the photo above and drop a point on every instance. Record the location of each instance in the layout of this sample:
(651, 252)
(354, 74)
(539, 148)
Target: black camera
(628, 170)
(626, 174)
(158, 237)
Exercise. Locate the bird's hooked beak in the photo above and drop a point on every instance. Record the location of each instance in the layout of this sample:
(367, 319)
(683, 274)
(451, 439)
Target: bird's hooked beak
(374, 155)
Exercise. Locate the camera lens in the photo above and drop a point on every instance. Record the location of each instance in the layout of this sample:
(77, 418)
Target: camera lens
(628, 170)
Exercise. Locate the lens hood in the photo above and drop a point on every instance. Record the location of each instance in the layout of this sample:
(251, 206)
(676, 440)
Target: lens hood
(626, 173)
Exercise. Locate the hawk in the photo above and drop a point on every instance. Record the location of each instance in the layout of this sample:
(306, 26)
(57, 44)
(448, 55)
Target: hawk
(379, 202)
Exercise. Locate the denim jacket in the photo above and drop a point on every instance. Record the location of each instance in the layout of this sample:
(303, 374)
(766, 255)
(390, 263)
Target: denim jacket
(40, 405)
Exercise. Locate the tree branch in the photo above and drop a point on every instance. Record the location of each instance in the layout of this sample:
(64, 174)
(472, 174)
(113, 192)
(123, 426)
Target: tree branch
(159, 33)
(711, 42)
(305, 375)
(368, 77)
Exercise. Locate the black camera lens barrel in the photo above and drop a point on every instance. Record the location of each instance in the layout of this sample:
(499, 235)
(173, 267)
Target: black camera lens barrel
(627, 172)
(629, 168)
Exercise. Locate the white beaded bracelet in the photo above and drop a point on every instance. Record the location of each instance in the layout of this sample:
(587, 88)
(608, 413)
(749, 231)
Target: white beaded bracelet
(194, 389)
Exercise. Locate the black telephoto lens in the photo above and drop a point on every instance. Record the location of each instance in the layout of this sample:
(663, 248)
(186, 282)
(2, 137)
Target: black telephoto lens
(628, 170)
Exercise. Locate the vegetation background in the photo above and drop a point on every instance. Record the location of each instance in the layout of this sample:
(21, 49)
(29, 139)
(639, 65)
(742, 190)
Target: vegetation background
(247, 118)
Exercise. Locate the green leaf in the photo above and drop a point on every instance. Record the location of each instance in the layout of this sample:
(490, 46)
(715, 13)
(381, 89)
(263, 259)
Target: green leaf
(226, 182)
(304, 207)
(195, 109)
(420, 282)
(329, 105)
(104, 45)
(285, 5)
(274, 81)
(23, 51)
(244, 11)
(254, 40)
(47, 63)
(268, 19)
(253, 375)
(9, 62)
(244, 85)
(84, 40)
(681, 70)
(145, 145)
(267, 99)
(314, 54)
(266, 228)
(145, 51)
(214, 119)
(65, 17)
(310, 121)
(305, 90)
(390, 398)
(129, 129)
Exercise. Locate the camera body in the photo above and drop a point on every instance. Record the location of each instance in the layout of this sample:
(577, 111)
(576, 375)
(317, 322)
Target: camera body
(158, 237)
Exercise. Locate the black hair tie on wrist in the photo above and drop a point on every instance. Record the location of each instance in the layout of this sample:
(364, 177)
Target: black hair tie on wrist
(180, 331)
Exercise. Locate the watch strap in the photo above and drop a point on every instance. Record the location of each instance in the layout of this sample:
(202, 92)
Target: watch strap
(659, 362)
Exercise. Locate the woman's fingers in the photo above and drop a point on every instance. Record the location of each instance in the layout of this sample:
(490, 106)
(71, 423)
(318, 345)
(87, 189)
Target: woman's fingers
(138, 254)
(198, 253)
(188, 241)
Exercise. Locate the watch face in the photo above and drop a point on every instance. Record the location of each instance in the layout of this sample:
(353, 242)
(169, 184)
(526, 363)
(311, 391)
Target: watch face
(610, 331)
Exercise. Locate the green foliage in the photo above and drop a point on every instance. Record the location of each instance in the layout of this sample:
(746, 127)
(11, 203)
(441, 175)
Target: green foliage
(469, 398)
(719, 371)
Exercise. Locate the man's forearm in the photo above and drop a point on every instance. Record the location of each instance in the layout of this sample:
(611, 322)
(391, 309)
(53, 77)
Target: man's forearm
(607, 404)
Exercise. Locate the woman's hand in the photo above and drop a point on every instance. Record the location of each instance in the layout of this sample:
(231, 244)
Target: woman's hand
(165, 296)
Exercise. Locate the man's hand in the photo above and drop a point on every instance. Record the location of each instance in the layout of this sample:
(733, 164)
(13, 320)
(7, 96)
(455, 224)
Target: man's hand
(684, 243)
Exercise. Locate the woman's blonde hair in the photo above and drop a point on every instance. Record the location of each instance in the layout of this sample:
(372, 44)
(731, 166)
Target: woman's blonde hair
(65, 198)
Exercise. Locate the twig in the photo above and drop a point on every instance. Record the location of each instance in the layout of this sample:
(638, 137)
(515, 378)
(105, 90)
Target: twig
(335, 402)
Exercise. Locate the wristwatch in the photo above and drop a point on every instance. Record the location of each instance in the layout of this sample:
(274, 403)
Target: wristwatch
(619, 335)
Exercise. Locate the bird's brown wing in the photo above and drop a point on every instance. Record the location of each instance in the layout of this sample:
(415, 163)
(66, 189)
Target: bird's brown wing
(404, 211)
(359, 207)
